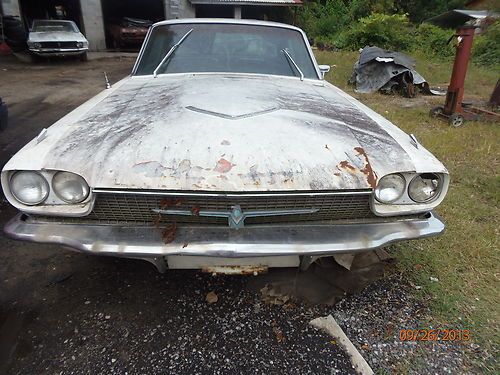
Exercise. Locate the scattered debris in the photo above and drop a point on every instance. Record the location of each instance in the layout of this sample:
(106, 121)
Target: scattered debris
(345, 260)
(211, 297)
(59, 278)
(271, 296)
(280, 337)
(389, 72)
(434, 279)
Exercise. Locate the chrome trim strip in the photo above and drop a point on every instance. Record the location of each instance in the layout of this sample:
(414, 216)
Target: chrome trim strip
(230, 195)
(236, 217)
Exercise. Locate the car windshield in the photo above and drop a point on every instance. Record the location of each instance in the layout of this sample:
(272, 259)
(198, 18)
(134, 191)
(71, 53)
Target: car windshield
(233, 48)
(51, 26)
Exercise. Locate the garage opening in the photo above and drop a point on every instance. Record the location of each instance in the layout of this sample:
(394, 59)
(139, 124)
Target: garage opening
(51, 9)
(268, 10)
(267, 13)
(214, 11)
(126, 21)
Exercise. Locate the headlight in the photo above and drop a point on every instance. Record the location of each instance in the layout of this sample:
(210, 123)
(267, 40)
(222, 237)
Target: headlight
(390, 188)
(424, 187)
(79, 45)
(70, 187)
(29, 188)
(34, 44)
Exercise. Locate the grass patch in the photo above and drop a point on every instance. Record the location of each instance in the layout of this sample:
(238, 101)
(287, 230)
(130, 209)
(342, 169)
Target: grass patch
(465, 259)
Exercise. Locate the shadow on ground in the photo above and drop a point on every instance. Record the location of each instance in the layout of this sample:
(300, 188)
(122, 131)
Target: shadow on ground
(64, 311)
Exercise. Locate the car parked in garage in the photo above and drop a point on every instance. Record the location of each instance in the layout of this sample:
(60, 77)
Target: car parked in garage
(49, 38)
(225, 150)
(128, 32)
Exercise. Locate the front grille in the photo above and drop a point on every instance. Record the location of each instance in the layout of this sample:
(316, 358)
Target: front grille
(58, 44)
(115, 207)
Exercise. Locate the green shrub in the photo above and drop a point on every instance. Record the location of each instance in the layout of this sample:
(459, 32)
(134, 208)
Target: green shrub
(433, 40)
(381, 30)
(486, 49)
(323, 20)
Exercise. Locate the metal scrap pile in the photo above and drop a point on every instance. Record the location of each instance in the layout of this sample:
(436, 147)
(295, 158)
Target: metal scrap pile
(387, 71)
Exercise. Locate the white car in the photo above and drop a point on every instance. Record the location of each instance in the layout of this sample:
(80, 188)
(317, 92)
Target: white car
(224, 150)
(57, 38)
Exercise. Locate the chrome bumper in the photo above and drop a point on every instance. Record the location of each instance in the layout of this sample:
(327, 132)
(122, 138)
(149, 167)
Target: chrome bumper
(58, 51)
(272, 240)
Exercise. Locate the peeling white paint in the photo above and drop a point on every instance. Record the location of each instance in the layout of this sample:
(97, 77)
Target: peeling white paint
(139, 134)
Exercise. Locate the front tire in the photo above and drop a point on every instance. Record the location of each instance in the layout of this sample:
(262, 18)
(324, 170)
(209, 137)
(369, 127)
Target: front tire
(84, 57)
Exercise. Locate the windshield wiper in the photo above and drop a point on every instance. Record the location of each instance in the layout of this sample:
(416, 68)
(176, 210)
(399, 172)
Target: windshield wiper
(285, 51)
(170, 52)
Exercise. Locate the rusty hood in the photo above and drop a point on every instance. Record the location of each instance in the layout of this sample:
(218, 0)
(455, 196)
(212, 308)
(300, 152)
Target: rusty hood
(224, 133)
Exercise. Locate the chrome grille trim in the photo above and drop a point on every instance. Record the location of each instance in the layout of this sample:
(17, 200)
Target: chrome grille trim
(123, 206)
(232, 194)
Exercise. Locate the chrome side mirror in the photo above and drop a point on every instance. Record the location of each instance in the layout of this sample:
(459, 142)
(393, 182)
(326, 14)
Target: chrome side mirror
(323, 69)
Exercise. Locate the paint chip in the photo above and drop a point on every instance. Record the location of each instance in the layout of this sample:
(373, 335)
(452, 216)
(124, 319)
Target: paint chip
(223, 166)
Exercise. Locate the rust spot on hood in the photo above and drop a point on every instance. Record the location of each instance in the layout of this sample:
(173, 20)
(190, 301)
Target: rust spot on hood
(371, 176)
(344, 164)
(223, 166)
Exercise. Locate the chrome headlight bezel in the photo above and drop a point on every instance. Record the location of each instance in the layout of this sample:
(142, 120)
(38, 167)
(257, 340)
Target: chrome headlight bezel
(43, 180)
(405, 205)
(60, 194)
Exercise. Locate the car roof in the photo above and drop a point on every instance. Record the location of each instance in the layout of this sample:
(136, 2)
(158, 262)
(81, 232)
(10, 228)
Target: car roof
(226, 21)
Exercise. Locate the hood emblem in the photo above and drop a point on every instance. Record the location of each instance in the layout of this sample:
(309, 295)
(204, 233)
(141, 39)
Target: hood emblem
(236, 217)
(231, 117)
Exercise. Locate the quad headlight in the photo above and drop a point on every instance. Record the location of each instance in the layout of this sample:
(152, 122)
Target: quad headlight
(29, 188)
(424, 187)
(32, 188)
(70, 187)
(390, 188)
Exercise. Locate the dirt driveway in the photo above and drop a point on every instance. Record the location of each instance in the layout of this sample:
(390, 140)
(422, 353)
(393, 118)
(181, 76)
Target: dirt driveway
(64, 312)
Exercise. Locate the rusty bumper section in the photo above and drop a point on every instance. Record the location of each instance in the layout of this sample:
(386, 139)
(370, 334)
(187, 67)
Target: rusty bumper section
(270, 240)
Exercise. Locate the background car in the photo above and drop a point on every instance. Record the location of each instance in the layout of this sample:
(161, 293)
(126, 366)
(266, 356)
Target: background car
(128, 32)
(57, 38)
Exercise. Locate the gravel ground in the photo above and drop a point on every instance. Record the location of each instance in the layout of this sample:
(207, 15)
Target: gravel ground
(373, 318)
(163, 324)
